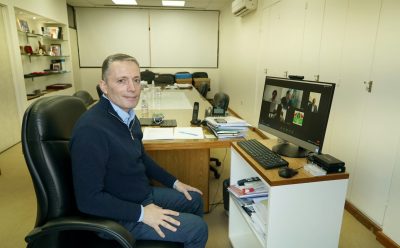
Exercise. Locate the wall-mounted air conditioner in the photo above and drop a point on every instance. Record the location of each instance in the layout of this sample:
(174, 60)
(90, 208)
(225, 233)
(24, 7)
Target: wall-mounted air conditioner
(243, 7)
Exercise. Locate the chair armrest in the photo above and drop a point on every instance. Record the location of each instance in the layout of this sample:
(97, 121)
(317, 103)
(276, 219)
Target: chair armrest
(108, 227)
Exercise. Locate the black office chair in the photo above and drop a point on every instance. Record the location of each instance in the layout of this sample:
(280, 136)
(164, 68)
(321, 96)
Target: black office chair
(46, 131)
(221, 100)
(147, 75)
(164, 79)
(203, 89)
(85, 97)
(199, 75)
(99, 91)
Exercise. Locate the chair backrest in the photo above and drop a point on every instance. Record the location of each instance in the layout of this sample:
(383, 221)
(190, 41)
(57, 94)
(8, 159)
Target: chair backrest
(164, 79)
(46, 130)
(147, 76)
(199, 75)
(99, 91)
(85, 97)
(203, 89)
(221, 100)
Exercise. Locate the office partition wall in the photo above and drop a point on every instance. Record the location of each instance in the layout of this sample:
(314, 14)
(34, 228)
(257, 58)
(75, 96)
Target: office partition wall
(157, 38)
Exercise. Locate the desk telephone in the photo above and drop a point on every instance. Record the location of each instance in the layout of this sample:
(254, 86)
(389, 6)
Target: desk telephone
(215, 111)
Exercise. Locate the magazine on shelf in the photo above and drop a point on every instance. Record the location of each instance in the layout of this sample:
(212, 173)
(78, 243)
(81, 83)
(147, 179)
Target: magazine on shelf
(250, 191)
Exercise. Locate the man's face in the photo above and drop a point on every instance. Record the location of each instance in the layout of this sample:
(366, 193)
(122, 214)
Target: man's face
(123, 84)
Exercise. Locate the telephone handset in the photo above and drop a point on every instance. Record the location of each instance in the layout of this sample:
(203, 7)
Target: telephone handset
(195, 120)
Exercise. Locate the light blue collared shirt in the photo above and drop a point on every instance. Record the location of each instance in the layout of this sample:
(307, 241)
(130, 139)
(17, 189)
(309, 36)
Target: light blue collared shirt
(126, 117)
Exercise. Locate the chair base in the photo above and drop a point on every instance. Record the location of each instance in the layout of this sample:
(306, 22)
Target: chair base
(213, 168)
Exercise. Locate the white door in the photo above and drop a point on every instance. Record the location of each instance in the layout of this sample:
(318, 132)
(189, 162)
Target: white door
(332, 38)
(362, 18)
(311, 40)
(10, 126)
(380, 133)
(283, 42)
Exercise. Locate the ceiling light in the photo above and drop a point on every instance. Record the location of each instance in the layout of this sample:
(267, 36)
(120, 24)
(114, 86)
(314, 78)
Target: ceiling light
(125, 2)
(173, 3)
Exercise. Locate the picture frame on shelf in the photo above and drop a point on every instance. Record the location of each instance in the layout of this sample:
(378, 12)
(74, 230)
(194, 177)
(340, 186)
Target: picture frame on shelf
(55, 67)
(52, 32)
(55, 50)
(23, 25)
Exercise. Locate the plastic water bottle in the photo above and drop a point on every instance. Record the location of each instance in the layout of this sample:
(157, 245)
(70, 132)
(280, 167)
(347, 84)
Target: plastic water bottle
(157, 98)
(145, 108)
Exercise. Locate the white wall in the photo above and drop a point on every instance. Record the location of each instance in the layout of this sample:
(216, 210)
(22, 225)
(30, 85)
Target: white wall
(9, 133)
(52, 9)
(343, 41)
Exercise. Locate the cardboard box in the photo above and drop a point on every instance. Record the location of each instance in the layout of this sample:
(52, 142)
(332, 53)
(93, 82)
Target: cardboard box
(183, 80)
(198, 81)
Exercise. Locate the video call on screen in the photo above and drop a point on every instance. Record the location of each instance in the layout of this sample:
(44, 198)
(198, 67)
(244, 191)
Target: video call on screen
(296, 108)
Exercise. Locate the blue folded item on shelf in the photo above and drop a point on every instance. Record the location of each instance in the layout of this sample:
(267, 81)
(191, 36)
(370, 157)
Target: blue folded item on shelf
(183, 75)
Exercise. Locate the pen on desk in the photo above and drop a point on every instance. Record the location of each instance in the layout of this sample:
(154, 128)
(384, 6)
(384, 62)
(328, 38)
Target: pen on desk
(193, 134)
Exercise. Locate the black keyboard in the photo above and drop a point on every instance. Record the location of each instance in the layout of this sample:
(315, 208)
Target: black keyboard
(262, 154)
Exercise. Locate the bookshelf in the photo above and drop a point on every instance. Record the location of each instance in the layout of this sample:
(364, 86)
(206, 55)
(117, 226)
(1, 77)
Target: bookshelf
(303, 211)
(45, 54)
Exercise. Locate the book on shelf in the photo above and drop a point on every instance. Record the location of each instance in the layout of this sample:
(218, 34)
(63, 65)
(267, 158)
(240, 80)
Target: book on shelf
(257, 210)
(249, 191)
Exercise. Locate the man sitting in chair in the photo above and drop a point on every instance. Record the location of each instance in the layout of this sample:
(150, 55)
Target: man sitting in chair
(112, 171)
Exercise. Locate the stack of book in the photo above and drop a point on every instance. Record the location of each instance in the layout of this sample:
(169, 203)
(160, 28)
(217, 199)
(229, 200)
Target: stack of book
(253, 199)
(227, 126)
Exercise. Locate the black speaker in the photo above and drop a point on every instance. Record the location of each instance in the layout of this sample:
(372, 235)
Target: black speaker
(195, 120)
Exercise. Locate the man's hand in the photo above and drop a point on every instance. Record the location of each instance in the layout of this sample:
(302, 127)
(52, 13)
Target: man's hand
(155, 217)
(184, 188)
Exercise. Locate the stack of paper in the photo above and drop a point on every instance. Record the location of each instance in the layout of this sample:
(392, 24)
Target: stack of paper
(163, 133)
(253, 198)
(255, 190)
(227, 126)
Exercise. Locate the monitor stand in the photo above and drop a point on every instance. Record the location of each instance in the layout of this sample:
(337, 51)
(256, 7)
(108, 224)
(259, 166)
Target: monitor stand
(290, 150)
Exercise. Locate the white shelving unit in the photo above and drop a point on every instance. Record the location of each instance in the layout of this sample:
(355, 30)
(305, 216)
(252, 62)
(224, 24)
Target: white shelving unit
(303, 211)
(36, 64)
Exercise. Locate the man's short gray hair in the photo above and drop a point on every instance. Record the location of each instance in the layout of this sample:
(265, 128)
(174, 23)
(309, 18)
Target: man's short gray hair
(112, 58)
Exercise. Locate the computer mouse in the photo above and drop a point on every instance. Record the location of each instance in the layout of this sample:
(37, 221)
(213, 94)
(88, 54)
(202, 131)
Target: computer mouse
(287, 172)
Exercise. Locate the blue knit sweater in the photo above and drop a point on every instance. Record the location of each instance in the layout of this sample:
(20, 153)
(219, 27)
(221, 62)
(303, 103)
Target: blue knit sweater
(111, 170)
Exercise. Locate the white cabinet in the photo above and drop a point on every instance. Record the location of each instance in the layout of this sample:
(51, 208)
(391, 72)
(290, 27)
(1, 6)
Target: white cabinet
(382, 174)
(283, 36)
(45, 54)
(303, 211)
(392, 215)
(363, 124)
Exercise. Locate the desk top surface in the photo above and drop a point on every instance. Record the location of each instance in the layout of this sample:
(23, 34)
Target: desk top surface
(183, 115)
(272, 177)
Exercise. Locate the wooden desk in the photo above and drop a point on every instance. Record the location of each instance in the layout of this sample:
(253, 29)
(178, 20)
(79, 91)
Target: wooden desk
(302, 211)
(188, 160)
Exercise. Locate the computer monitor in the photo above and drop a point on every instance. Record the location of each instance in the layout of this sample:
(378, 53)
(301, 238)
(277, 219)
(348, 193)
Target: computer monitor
(297, 112)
